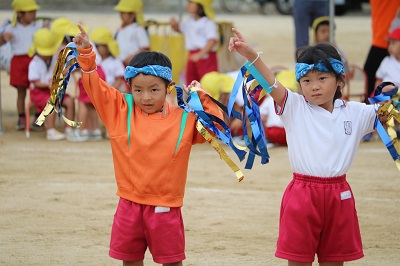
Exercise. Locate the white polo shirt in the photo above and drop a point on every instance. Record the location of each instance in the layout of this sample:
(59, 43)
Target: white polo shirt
(321, 143)
(389, 70)
(131, 39)
(38, 71)
(113, 68)
(22, 37)
(198, 32)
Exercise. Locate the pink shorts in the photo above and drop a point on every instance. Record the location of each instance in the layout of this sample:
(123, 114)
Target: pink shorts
(318, 216)
(19, 71)
(138, 226)
(196, 70)
(40, 97)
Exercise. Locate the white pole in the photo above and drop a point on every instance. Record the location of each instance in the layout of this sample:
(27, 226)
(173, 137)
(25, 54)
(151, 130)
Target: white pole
(331, 21)
(1, 112)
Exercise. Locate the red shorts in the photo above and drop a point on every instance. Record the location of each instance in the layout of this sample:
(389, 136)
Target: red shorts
(318, 216)
(19, 71)
(276, 135)
(138, 226)
(39, 97)
(83, 97)
(196, 70)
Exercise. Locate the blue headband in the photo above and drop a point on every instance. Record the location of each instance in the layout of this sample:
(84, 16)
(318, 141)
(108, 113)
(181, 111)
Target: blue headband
(155, 70)
(303, 68)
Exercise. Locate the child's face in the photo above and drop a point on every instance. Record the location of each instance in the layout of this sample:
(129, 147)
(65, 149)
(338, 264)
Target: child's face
(394, 48)
(149, 92)
(127, 17)
(322, 34)
(319, 88)
(192, 8)
(27, 17)
(102, 49)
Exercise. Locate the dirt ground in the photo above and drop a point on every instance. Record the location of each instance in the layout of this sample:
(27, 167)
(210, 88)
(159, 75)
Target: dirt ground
(57, 199)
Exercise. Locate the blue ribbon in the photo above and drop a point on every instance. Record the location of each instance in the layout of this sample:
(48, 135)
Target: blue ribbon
(380, 96)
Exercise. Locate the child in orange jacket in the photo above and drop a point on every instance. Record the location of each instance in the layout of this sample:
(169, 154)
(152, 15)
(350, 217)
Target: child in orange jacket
(151, 142)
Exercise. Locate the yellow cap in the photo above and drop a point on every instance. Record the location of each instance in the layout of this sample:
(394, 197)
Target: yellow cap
(59, 28)
(44, 43)
(74, 30)
(102, 35)
(287, 78)
(22, 6)
(318, 21)
(206, 6)
(134, 6)
(216, 83)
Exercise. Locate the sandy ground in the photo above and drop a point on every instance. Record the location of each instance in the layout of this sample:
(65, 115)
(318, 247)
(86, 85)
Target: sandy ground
(57, 199)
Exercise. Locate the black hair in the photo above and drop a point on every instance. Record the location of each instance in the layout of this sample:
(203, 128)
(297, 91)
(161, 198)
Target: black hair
(200, 10)
(321, 53)
(146, 58)
(325, 22)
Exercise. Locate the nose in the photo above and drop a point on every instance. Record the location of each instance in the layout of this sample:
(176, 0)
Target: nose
(315, 86)
(146, 96)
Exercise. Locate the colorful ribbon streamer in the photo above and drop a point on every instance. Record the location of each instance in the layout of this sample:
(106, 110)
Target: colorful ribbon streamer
(66, 63)
(389, 110)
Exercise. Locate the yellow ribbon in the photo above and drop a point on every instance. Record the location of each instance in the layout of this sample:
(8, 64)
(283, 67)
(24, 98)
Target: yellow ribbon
(222, 154)
(56, 88)
(392, 114)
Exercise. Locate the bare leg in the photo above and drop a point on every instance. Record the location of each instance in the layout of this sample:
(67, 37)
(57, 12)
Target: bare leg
(83, 115)
(331, 264)
(21, 95)
(174, 264)
(133, 263)
(93, 117)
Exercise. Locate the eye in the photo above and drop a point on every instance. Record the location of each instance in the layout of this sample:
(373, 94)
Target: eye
(155, 90)
(137, 90)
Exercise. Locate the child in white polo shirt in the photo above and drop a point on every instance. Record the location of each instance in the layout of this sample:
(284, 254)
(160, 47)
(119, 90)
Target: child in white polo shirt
(201, 35)
(131, 36)
(318, 214)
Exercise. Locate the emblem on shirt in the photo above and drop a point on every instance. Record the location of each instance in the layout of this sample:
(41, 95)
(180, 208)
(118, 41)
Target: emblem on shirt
(347, 127)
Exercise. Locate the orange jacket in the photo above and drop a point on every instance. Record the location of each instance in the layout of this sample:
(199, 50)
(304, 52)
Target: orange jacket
(382, 13)
(150, 158)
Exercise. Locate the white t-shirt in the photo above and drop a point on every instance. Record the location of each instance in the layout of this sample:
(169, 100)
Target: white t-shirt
(22, 37)
(130, 39)
(267, 108)
(113, 68)
(389, 70)
(198, 32)
(321, 143)
(38, 70)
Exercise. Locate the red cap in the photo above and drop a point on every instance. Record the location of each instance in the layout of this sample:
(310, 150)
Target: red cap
(395, 34)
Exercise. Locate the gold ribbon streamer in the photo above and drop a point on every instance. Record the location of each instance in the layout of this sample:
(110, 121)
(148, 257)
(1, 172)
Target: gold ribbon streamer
(389, 110)
(222, 154)
(56, 88)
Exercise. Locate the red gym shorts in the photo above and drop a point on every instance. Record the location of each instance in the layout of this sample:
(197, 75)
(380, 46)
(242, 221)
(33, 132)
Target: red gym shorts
(138, 226)
(19, 67)
(318, 216)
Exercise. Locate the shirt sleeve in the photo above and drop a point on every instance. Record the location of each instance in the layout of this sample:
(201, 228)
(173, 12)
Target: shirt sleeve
(109, 102)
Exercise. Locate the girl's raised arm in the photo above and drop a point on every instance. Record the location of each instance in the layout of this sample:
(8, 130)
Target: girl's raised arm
(239, 45)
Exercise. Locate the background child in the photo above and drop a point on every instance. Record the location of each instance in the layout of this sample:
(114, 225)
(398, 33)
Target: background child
(40, 76)
(20, 35)
(318, 214)
(389, 69)
(201, 35)
(114, 70)
(108, 50)
(131, 36)
(150, 154)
